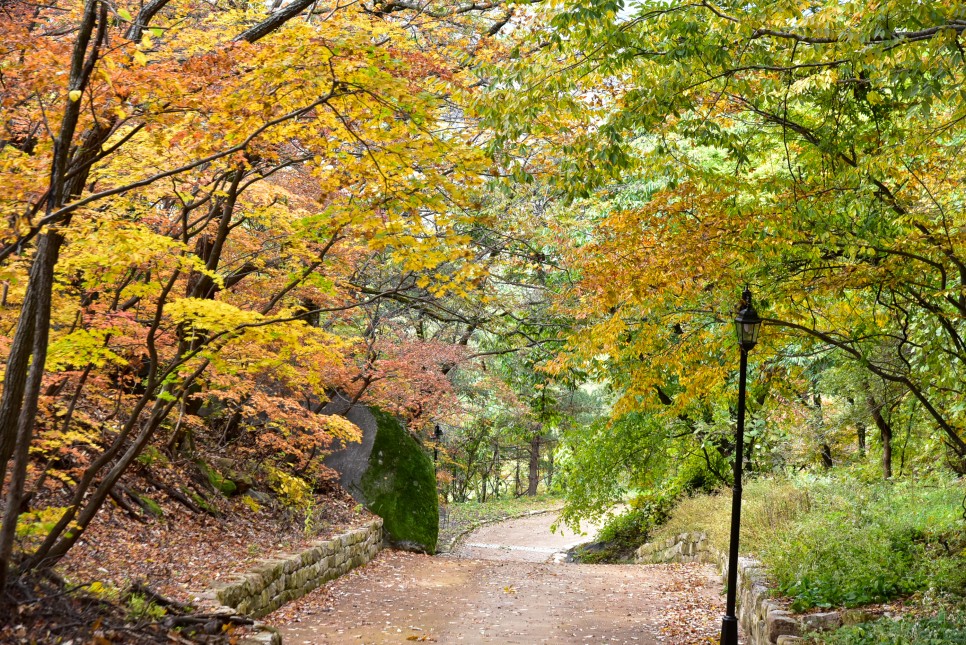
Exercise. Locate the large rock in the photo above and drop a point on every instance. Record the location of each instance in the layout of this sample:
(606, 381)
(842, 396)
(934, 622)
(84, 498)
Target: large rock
(391, 474)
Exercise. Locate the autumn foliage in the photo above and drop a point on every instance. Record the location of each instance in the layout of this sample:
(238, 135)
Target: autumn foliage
(201, 207)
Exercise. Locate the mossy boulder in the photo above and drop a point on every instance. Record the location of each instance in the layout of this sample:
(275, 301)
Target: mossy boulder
(218, 481)
(400, 486)
(390, 473)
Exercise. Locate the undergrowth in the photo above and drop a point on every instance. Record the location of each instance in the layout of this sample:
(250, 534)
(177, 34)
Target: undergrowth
(834, 541)
(942, 629)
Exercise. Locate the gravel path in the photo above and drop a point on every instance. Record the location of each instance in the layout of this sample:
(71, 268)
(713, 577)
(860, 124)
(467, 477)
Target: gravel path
(506, 585)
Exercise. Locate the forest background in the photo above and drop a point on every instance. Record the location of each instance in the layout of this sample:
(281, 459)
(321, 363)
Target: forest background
(526, 224)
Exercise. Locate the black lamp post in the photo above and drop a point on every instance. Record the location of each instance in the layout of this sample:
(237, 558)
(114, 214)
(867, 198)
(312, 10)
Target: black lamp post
(747, 326)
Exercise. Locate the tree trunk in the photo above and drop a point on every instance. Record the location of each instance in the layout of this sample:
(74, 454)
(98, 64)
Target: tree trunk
(885, 431)
(827, 456)
(534, 479)
(37, 306)
(549, 470)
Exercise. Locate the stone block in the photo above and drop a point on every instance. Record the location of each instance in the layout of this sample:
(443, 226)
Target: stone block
(790, 640)
(275, 587)
(306, 557)
(823, 622)
(780, 623)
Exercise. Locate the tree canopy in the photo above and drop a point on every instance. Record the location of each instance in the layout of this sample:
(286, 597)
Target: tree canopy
(527, 222)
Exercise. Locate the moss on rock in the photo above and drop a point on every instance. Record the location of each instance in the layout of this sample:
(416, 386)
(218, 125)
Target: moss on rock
(400, 486)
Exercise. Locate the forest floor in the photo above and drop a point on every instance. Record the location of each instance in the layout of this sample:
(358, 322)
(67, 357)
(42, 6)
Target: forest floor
(175, 553)
(180, 554)
(507, 583)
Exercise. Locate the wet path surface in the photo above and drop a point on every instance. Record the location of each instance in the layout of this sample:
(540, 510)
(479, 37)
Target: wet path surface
(504, 586)
(527, 539)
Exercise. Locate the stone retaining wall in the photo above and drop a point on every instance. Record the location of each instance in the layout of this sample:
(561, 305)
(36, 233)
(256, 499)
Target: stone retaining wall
(763, 620)
(277, 582)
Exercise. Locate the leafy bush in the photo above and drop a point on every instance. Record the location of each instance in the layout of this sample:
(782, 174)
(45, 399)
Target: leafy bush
(292, 491)
(623, 533)
(140, 608)
(942, 629)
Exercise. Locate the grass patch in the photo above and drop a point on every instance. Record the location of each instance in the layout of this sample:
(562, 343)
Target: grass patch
(837, 542)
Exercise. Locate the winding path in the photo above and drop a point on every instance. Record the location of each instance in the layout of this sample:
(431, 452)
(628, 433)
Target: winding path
(506, 584)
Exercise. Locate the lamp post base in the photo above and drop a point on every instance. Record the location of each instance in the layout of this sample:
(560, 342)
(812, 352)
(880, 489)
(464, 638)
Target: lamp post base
(729, 630)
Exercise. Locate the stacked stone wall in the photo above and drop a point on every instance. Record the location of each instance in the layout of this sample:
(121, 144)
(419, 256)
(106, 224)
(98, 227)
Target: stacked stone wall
(279, 581)
(763, 620)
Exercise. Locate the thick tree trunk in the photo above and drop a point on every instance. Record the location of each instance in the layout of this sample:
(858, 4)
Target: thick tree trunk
(41, 287)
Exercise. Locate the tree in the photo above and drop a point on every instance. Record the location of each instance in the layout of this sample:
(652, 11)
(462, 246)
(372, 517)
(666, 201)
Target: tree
(809, 150)
(183, 212)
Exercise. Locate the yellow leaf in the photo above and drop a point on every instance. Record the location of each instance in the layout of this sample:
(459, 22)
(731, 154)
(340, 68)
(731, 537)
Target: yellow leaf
(74, 95)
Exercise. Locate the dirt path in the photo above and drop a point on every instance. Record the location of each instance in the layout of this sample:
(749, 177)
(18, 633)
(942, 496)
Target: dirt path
(504, 587)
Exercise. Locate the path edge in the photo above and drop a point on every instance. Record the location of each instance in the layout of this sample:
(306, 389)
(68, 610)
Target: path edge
(291, 576)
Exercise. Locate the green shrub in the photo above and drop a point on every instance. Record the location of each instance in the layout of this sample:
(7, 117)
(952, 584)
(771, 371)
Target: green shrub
(622, 534)
(942, 629)
(140, 608)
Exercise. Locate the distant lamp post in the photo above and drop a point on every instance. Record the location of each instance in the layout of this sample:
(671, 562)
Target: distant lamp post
(747, 326)
(439, 437)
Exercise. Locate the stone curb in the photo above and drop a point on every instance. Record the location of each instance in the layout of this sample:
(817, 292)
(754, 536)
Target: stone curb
(291, 576)
(762, 619)
(448, 548)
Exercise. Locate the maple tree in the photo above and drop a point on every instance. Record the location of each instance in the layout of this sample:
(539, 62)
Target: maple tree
(190, 193)
(218, 216)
